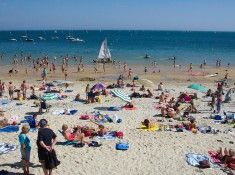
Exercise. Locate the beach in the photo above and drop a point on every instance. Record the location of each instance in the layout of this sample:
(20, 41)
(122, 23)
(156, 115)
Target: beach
(158, 152)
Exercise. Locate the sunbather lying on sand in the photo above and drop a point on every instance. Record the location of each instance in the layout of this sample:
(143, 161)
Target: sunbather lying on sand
(149, 123)
(74, 134)
(227, 156)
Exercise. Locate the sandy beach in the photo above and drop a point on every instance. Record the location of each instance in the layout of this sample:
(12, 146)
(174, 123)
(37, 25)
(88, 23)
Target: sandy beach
(158, 152)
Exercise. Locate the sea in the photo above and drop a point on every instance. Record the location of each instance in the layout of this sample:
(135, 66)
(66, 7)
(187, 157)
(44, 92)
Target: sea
(125, 46)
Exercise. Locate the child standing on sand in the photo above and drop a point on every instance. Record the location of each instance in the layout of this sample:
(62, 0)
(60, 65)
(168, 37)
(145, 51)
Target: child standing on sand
(25, 148)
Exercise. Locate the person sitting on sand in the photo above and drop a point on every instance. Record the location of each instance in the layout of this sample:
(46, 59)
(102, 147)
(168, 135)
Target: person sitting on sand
(191, 125)
(149, 123)
(33, 96)
(148, 95)
(160, 87)
(209, 93)
(104, 92)
(129, 105)
(102, 130)
(162, 98)
(4, 122)
(135, 95)
(71, 135)
(77, 98)
(142, 88)
(192, 108)
(91, 97)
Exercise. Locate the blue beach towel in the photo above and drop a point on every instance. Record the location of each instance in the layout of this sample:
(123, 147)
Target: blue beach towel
(194, 159)
(114, 108)
(9, 128)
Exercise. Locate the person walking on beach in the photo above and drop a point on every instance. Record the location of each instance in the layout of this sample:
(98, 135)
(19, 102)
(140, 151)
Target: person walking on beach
(129, 74)
(217, 63)
(1, 88)
(46, 142)
(124, 67)
(145, 70)
(25, 148)
(44, 74)
(204, 63)
(174, 61)
(219, 102)
(104, 66)
(24, 88)
(87, 90)
(190, 68)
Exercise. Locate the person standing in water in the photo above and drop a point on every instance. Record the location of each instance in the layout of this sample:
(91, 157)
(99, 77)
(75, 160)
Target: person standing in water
(174, 61)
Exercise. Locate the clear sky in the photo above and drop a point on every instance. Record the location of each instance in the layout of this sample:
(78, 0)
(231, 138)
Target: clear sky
(118, 14)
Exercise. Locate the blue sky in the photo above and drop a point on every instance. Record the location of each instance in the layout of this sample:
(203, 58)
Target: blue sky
(217, 15)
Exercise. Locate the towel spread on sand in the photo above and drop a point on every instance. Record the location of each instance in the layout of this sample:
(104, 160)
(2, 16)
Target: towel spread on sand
(10, 128)
(61, 112)
(194, 159)
(5, 148)
(108, 136)
(155, 128)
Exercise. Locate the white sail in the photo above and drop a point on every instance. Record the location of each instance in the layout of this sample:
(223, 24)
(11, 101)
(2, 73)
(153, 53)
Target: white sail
(104, 51)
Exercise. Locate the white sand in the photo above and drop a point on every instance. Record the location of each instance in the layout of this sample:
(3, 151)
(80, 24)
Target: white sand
(150, 152)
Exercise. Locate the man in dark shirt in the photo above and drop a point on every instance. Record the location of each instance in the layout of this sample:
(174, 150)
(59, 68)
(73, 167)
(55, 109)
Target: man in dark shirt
(46, 141)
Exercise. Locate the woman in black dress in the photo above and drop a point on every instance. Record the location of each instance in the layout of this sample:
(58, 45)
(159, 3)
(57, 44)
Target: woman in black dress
(46, 141)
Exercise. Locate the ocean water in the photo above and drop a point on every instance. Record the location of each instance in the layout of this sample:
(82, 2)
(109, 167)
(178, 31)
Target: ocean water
(128, 46)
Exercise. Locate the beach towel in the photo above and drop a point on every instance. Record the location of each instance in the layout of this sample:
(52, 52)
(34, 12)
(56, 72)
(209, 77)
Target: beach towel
(4, 102)
(67, 142)
(61, 112)
(68, 91)
(155, 128)
(5, 148)
(10, 128)
(214, 156)
(108, 136)
(194, 159)
(114, 108)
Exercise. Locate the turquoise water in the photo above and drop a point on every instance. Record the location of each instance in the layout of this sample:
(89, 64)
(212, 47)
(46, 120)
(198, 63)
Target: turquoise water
(129, 46)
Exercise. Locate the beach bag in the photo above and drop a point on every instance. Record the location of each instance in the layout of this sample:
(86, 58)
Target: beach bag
(218, 117)
(122, 146)
(84, 117)
(119, 134)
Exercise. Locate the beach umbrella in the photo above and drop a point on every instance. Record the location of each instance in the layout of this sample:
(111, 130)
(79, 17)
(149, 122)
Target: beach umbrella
(121, 94)
(146, 82)
(99, 86)
(198, 87)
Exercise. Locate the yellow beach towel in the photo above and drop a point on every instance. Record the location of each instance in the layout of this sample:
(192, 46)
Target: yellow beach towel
(154, 128)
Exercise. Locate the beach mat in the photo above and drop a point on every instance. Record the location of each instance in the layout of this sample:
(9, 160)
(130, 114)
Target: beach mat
(5, 148)
(10, 128)
(108, 136)
(155, 128)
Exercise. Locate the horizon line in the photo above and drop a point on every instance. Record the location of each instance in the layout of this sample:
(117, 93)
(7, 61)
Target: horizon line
(169, 30)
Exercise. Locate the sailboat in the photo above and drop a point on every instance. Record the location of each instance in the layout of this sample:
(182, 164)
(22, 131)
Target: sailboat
(104, 54)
